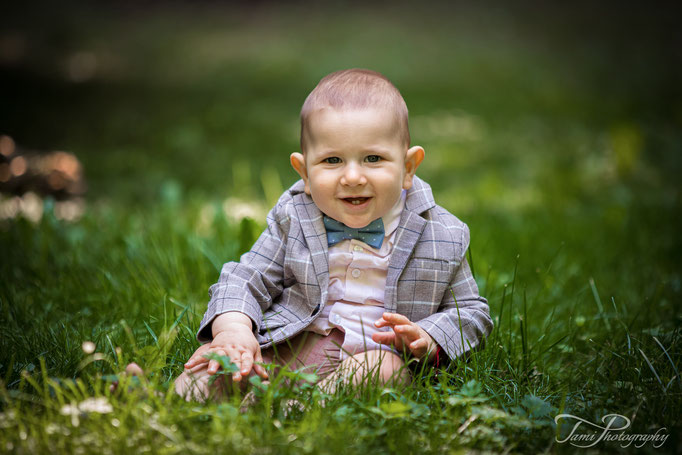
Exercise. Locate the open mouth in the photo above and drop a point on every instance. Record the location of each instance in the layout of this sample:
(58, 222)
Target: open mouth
(356, 200)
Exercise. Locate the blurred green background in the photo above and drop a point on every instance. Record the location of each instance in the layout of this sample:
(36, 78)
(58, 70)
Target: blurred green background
(501, 97)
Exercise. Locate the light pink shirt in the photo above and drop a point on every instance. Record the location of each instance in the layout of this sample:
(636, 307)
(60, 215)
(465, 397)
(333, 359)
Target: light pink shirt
(357, 281)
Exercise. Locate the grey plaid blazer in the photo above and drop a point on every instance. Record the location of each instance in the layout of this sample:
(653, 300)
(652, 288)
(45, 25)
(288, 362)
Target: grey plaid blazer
(281, 284)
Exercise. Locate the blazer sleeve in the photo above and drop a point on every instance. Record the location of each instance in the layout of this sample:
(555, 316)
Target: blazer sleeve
(463, 318)
(250, 285)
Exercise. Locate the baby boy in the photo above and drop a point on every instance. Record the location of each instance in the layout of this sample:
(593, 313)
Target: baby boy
(358, 267)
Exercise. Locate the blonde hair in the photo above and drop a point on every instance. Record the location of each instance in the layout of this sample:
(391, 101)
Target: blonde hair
(356, 88)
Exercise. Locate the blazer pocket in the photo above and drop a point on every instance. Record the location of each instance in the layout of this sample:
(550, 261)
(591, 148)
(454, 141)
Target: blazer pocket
(421, 290)
(430, 264)
(431, 273)
(434, 277)
(431, 285)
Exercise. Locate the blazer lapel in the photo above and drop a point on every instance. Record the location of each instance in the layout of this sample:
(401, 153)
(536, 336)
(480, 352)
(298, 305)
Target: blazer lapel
(419, 199)
(315, 235)
(409, 230)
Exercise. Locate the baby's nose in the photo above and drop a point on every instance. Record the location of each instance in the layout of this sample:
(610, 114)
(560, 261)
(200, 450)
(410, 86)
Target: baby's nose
(353, 175)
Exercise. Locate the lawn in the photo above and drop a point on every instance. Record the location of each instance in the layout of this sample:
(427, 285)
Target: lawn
(555, 133)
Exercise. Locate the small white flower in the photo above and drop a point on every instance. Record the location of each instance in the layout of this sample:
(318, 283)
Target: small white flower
(68, 409)
(88, 347)
(71, 410)
(99, 405)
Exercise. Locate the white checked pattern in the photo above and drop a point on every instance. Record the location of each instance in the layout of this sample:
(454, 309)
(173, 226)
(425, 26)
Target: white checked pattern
(281, 284)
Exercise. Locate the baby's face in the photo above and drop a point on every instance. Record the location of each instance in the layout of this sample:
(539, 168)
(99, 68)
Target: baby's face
(355, 164)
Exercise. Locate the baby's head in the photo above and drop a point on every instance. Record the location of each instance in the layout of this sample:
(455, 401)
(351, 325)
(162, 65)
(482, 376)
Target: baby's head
(355, 89)
(356, 156)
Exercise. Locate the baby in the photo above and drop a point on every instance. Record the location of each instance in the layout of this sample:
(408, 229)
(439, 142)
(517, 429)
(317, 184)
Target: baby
(357, 266)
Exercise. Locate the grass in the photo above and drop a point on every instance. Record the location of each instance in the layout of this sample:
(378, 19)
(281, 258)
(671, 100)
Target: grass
(567, 177)
(151, 296)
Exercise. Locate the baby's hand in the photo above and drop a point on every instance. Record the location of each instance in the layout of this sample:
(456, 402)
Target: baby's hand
(236, 341)
(405, 334)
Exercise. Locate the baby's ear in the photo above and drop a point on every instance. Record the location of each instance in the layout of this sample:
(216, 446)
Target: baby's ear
(413, 158)
(298, 163)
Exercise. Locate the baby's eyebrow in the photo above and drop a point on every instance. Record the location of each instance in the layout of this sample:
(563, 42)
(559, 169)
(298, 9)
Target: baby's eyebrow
(376, 150)
(327, 153)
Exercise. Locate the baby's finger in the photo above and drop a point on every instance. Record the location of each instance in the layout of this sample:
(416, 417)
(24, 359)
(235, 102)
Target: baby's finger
(196, 360)
(408, 332)
(236, 358)
(381, 323)
(214, 365)
(391, 319)
(246, 363)
(395, 318)
(387, 338)
(191, 363)
(197, 357)
(258, 368)
(197, 368)
(419, 347)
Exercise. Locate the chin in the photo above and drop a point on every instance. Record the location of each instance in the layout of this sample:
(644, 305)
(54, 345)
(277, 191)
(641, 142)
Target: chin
(356, 224)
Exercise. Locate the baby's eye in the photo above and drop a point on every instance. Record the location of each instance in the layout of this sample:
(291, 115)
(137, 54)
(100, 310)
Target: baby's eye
(332, 160)
(373, 158)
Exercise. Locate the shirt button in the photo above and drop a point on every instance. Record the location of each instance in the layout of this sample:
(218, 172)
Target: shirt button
(356, 273)
(357, 248)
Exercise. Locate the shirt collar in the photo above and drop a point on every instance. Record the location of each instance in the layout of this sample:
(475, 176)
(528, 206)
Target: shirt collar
(392, 218)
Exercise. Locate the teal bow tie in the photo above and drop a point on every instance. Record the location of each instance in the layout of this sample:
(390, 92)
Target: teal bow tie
(372, 234)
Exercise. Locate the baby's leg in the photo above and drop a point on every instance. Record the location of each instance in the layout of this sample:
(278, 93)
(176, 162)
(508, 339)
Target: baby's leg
(374, 366)
(195, 385)
(308, 351)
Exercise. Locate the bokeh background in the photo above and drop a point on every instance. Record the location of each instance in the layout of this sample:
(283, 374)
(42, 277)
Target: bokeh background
(207, 93)
(553, 130)
(571, 113)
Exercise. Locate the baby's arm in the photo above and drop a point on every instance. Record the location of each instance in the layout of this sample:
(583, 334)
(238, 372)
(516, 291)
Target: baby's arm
(233, 337)
(463, 318)
(405, 334)
(243, 292)
(462, 321)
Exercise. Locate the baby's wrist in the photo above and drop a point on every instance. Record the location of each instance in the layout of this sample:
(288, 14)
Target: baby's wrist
(230, 321)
